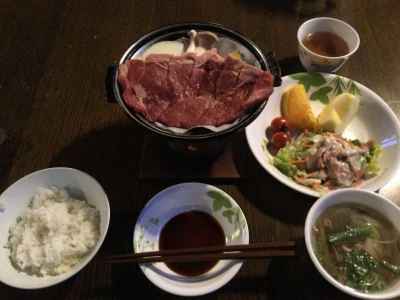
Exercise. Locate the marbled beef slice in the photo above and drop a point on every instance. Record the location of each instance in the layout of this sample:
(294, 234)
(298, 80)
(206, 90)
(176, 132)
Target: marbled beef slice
(192, 90)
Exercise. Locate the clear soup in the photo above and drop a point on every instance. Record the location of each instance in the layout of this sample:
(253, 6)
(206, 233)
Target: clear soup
(358, 247)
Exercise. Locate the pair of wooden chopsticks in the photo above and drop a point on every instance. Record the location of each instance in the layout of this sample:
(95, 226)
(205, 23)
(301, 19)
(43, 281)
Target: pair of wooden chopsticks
(250, 251)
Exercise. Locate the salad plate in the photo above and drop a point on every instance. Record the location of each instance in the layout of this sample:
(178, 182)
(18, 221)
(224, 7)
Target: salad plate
(374, 121)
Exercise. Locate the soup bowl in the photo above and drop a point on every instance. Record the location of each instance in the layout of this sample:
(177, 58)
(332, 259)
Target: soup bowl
(352, 197)
(174, 201)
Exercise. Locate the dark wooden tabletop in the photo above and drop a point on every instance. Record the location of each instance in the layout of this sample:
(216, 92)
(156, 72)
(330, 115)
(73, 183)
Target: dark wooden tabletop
(53, 109)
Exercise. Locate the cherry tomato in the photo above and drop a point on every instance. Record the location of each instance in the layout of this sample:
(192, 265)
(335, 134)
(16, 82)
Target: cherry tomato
(272, 149)
(279, 124)
(280, 139)
(269, 133)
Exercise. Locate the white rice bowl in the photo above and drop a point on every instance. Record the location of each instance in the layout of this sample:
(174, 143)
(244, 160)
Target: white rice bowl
(54, 233)
(14, 203)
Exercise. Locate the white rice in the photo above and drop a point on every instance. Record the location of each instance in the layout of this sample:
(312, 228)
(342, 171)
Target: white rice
(54, 234)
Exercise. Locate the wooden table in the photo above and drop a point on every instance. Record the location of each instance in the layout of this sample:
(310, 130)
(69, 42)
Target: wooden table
(54, 56)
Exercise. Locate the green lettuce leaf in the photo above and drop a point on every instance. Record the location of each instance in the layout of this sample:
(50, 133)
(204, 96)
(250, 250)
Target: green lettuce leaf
(283, 160)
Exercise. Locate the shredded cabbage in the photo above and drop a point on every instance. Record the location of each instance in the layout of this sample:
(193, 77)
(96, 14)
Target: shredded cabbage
(373, 160)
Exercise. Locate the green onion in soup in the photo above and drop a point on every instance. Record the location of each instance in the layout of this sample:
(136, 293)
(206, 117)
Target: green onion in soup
(358, 247)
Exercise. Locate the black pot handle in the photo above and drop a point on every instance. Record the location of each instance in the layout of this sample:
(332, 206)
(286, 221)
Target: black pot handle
(274, 68)
(109, 83)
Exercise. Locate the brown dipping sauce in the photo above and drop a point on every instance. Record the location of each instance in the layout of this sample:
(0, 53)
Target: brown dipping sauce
(190, 230)
(326, 43)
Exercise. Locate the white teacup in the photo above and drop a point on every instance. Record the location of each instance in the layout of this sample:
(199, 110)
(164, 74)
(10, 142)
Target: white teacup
(318, 63)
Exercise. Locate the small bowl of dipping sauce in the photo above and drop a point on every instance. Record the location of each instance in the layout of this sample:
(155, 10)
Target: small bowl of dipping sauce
(325, 44)
(190, 215)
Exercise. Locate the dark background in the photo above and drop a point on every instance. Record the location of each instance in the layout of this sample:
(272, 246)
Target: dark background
(53, 57)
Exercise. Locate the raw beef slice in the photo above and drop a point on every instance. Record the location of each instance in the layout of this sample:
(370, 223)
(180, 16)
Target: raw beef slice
(190, 90)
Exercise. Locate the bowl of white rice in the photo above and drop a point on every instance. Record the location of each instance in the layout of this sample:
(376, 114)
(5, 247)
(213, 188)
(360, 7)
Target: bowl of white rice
(52, 223)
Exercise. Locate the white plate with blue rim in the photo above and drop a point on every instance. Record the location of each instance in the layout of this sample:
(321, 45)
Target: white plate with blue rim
(182, 198)
(374, 121)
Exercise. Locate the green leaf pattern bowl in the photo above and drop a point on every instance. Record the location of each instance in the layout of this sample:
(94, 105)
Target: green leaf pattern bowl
(322, 88)
(178, 199)
(374, 120)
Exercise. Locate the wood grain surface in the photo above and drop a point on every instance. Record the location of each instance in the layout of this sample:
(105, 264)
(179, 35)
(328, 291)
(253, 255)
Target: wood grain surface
(54, 56)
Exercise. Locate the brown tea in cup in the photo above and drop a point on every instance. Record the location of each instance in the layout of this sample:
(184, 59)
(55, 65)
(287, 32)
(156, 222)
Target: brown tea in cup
(326, 43)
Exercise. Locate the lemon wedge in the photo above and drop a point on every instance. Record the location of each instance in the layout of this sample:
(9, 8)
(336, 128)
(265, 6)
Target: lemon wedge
(296, 108)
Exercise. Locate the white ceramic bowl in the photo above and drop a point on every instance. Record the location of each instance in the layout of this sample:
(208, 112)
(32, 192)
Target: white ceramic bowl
(14, 201)
(372, 200)
(176, 200)
(374, 120)
(319, 63)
